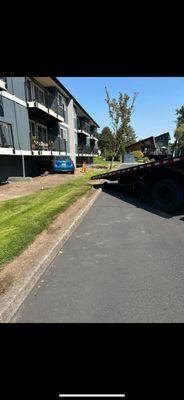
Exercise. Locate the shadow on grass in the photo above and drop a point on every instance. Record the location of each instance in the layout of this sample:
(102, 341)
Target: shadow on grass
(123, 192)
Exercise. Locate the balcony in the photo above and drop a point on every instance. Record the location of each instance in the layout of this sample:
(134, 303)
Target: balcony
(58, 145)
(3, 83)
(86, 150)
(83, 127)
(87, 129)
(94, 133)
(42, 99)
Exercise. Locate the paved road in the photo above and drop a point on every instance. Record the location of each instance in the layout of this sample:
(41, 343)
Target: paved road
(124, 263)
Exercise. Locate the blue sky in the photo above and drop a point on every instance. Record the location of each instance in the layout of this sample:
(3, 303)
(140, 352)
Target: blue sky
(155, 107)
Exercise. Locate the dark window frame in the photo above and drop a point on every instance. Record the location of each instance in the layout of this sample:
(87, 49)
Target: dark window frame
(11, 141)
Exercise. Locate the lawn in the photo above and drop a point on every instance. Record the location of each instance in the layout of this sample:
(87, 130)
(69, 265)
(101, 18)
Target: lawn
(100, 161)
(25, 217)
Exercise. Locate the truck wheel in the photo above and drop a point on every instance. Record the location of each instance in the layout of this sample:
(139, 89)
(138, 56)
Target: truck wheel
(168, 195)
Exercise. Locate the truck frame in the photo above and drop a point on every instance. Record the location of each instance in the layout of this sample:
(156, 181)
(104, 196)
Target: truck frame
(162, 181)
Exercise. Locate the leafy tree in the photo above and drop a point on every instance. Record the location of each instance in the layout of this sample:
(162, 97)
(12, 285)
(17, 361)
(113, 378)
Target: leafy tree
(105, 141)
(178, 145)
(128, 137)
(120, 115)
(180, 118)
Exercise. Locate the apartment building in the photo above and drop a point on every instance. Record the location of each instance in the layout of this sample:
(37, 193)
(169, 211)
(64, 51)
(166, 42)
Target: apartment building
(39, 119)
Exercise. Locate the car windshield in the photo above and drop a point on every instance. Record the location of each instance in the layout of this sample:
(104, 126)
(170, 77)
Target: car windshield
(63, 158)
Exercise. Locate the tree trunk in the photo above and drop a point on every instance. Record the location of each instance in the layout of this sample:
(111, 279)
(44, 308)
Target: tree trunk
(111, 162)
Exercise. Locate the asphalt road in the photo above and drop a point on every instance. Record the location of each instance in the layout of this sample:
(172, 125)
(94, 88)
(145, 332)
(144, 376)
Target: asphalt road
(124, 263)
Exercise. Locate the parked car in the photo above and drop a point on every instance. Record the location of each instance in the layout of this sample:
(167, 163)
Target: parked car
(62, 164)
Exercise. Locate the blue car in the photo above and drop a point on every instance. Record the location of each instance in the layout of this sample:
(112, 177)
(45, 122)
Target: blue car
(62, 164)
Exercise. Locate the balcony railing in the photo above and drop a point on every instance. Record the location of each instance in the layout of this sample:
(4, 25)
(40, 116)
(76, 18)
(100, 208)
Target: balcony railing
(45, 98)
(51, 145)
(84, 149)
(94, 132)
(83, 126)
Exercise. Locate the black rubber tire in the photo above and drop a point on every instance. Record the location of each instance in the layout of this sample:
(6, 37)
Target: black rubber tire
(72, 172)
(168, 195)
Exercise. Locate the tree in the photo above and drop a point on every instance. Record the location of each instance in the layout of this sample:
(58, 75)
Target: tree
(180, 118)
(178, 145)
(105, 141)
(130, 135)
(120, 115)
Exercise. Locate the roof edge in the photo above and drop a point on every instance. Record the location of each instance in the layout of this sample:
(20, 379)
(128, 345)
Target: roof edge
(70, 95)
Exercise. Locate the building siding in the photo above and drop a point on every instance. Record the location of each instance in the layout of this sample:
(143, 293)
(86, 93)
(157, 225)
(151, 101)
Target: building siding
(17, 115)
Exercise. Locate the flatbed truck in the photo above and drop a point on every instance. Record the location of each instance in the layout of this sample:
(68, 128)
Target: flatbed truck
(162, 181)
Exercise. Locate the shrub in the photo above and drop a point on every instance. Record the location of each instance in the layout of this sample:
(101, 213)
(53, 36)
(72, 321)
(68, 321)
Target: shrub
(138, 154)
(146, 159)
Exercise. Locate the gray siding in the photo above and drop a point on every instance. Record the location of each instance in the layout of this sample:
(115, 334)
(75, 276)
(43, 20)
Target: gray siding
(19, 87)
(17, 115)
(9, 85)
(16, 86)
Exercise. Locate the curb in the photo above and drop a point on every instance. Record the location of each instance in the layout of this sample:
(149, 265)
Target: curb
(22, 291)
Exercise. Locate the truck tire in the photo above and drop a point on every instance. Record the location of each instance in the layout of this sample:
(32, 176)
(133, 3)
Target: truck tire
(168, 195)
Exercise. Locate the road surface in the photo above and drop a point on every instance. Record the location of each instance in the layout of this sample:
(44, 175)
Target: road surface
(124, 263)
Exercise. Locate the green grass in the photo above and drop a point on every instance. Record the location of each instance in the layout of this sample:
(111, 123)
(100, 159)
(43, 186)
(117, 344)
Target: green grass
(100, 160)
(22, 219)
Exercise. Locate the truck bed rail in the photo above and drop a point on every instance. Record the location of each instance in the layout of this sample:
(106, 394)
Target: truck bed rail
(117, 174)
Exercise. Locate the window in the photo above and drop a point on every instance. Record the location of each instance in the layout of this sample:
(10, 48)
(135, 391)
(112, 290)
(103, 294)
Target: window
(1, 107)
(39, 94)
(6, 138)
(34, 92)
(32, 128)
(61, 101)
(42, 133)
(63, 133)
(29, 90)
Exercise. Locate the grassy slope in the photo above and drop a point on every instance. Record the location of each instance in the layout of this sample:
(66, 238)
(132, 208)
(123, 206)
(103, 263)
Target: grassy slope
(23, 218)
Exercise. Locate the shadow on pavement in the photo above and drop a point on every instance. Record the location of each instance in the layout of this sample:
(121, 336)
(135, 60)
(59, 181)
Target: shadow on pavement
(123, 192)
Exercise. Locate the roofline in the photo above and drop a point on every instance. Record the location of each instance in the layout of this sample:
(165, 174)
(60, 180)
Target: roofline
(140, 141)
(154, 137)
(70, 95)
(162, 135)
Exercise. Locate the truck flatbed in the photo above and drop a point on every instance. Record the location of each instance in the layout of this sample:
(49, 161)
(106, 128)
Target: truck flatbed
(115, 175)
(162, 180)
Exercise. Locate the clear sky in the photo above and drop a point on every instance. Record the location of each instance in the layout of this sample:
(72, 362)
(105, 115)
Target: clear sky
(155, 106)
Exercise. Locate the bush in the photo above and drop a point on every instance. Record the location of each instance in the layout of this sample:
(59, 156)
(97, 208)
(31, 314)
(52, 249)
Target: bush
(146, 159)
(138, 154)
